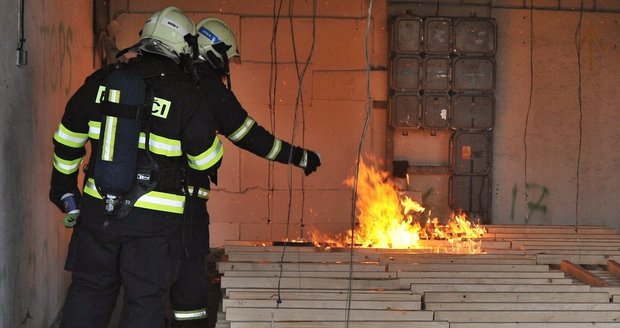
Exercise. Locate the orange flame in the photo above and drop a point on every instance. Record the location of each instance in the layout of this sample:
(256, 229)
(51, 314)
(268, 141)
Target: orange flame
(387, 219)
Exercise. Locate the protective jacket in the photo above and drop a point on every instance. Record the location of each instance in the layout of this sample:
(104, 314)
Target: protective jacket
(142, 251)
(189, 294)
(172, 142)
(233, 121)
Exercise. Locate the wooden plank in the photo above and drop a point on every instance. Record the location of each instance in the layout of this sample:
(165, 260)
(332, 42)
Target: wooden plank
(574, 258)
(406, 282)
(504, 251)
(422, 247)
(254, 266)
(486, 244)
(574, 252)
(323, 294)
(466, 267)
(323, 304)
(613, 267)
(307, 283)
(582, 275)
(612, 290)
(425, 288)
(481, 274)
(564, 242)
(323, 315)
(534, 325)
(314, 274)
(568, 249)
(520, 306)
(461, 260)
(302, 257)
(230, 249)
(341, 324)
(499, 228)
(528, 316)
(533, 296)
(558, 235)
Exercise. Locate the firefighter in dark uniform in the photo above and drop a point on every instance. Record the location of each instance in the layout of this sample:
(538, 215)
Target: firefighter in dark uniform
(134, 239)
(217, 45)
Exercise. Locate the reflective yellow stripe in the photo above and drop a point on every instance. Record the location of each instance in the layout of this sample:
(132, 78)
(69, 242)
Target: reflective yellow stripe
(190, 315)
(208, 158)
(304, 160)
(242, 130)
(91, 189)
(70, 138)
(153, 200)
(94, 128)
(161, 145)
(100, 92)
(66, 166)
(114, 96)
(161, 201)
(109, 136)
(158, 145)
(275, 149)
(202, 192)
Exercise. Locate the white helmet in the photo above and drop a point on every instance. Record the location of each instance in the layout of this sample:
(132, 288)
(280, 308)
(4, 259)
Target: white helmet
(166, 32)
(216, 38)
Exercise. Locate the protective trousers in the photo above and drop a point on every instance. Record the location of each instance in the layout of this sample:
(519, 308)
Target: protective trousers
(141, 253)
(189, 294)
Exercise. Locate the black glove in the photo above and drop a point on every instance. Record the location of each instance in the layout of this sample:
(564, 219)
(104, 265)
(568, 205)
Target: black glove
(310, 161)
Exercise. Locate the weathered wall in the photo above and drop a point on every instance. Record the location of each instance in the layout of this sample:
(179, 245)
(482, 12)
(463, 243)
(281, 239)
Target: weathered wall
(556, 129)
(33, 242)
(555, 137)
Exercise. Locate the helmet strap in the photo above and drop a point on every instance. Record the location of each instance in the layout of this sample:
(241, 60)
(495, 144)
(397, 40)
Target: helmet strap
(192, 40)
(221, 49)
(227, 72)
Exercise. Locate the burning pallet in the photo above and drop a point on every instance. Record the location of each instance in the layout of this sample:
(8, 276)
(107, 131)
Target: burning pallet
(525, 276)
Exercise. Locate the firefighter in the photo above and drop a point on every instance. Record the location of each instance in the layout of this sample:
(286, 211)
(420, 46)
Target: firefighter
(217, 45)
(132, 239)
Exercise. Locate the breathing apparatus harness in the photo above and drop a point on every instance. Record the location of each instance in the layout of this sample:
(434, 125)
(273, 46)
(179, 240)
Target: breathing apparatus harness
(122, 172)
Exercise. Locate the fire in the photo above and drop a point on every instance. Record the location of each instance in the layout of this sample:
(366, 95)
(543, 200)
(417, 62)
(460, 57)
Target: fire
(388, 219)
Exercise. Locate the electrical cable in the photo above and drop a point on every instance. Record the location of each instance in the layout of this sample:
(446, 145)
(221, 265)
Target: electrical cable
(273, 77)
(357, 166)
(529, 109)
(578, 32)
(298, 103)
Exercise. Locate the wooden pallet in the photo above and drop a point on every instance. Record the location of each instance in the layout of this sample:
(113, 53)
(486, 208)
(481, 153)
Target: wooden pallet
(526, 277)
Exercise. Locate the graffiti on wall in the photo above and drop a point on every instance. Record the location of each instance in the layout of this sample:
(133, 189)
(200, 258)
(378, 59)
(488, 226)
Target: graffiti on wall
(536, 198)
(57, 57)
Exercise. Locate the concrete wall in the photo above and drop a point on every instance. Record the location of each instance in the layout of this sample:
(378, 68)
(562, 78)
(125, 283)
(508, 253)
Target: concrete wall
(32, 240)
(555, 146)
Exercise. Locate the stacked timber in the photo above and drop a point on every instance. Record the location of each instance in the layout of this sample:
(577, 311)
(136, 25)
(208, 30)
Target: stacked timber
(524, 276)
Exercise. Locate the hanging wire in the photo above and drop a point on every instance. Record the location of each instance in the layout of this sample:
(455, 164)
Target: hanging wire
(273, 79)
(298, 104)
(579, 95)
(529, 109)
(358, 161)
